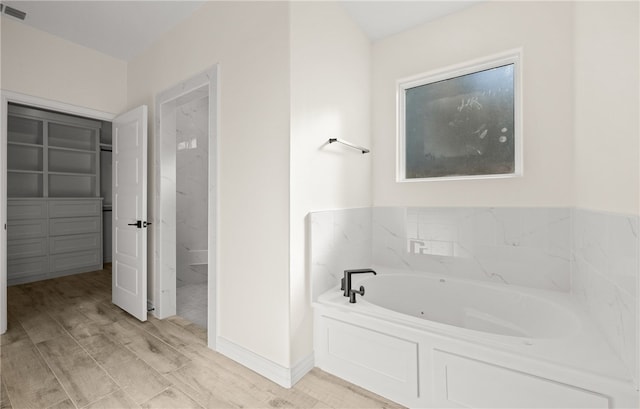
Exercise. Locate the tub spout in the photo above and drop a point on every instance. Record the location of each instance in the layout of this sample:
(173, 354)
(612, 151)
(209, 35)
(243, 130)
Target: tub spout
(346, 281)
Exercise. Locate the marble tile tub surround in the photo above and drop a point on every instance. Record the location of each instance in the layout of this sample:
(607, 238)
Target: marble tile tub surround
(521, 246)
(340, 239)
(605, 274)
(192, 152)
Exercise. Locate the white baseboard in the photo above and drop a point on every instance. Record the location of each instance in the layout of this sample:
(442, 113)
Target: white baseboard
(285, 377)
(301, 368)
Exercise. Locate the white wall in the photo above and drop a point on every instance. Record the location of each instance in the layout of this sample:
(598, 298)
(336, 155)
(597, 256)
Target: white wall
(330, 98)
(42, 65)
(544, 31)
(607, 84)
(250, 41)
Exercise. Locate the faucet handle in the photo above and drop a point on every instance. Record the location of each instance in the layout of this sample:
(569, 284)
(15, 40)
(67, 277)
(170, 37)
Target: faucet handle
(342, 284)
(352, 294)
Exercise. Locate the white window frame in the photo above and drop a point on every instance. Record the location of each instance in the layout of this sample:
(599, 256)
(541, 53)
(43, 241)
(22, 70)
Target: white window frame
(497, 60)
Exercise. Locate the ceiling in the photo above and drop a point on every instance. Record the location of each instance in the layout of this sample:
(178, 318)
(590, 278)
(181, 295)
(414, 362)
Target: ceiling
(124, 29)
(121, 29)
(380, 19)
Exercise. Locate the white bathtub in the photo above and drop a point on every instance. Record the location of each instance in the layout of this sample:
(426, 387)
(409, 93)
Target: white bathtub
(431, 341)
(478, 307)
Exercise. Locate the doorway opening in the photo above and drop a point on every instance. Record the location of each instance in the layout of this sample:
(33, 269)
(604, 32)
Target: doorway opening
(186, 202)
(192, 164)
(55, 151)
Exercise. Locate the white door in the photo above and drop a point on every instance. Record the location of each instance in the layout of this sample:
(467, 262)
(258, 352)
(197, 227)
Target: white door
(129, 281)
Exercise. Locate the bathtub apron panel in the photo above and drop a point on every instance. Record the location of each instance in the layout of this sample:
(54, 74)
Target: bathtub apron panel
(456, 362)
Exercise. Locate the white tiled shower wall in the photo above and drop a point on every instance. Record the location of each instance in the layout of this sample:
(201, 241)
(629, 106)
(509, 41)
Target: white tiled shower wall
(591, 254)
(192, 153)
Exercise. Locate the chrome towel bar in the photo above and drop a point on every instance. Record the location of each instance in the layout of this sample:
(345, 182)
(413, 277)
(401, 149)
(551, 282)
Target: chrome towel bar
(360, 148)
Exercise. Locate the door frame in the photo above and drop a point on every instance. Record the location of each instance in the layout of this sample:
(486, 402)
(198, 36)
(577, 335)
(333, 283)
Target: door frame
(164, 288)
(6, 97)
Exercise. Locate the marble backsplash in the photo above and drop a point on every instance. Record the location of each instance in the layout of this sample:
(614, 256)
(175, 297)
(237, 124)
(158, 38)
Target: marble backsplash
(605, 271)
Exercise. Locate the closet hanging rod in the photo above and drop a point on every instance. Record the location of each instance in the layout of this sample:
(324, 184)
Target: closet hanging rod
(360, 148)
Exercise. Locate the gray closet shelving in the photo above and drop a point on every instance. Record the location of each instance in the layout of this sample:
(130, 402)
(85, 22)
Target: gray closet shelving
(54, 208)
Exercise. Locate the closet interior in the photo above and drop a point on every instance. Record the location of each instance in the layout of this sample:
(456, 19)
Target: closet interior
(58, 194)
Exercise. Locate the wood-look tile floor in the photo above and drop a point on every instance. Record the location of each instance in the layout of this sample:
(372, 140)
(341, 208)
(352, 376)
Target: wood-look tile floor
(67, 346)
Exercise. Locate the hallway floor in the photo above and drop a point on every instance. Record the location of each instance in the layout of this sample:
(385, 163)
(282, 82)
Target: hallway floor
(67, 346)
